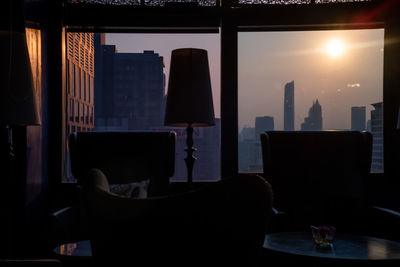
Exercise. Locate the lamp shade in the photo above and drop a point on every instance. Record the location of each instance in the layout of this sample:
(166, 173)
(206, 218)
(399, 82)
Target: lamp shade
(189, 97)
(17, 99)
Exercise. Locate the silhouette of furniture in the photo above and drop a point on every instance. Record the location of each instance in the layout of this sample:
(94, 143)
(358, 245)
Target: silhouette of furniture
(125, 157)
(210, 225)
(319, 177)
(222, 224)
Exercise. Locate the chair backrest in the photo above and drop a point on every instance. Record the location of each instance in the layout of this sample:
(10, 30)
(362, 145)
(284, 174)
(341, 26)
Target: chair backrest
(311, 168)
(125, 156)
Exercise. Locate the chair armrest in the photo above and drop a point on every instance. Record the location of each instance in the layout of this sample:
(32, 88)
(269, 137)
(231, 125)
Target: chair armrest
(65, 225)
(279, 221)
(277, 212)
(63, 213)
(387, 212)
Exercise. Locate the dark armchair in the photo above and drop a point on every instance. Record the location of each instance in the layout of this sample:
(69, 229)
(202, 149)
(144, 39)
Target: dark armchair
(320, 177)
(219, 224)
(222, 224)
(125, 157)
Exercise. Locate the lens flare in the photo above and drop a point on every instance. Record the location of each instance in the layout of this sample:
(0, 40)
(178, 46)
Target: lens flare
(335, 48)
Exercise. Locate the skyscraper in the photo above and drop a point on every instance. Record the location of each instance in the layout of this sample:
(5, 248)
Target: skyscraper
(288, 113)
(358, 118)
(80, 87)
(80, 82)
(377, 134)
(130, 89)
(265, 123)
(314, 120)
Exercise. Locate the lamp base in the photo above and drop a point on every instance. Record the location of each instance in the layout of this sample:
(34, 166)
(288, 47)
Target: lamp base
(190, 159)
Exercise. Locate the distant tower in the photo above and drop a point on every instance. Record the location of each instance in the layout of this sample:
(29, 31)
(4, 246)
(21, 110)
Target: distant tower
(314, 120)
(263, 124)
(377, 134)
(358, 118)
(289, 107)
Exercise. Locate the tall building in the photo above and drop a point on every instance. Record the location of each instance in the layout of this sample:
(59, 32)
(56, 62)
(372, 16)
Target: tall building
(246, 133)
(250, 156)
(377, 134)
(80, 82)
(358, 118)
(288, 113)
(265, 123)
(130, 89)
(314, 120)
(80, 88)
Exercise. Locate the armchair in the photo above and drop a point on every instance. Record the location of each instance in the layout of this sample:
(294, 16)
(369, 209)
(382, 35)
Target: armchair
(219, 224)
(319, 177)
(125, 157)
(223, 224)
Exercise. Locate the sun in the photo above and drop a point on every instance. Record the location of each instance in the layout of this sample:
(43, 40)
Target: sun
(335, 48)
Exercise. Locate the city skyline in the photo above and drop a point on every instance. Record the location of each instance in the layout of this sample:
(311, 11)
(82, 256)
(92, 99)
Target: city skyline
(269, 60)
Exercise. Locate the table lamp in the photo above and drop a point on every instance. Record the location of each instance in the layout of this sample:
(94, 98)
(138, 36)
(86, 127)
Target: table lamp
(17, 95)
(189, 97)
(17, 107)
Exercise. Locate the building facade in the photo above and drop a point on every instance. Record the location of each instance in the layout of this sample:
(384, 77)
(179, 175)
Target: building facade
(265, 123)
(80, 89)
(314, 120)
(377, 135)
(80, 82)
(130, 89)
(288, 112)
(358, 116)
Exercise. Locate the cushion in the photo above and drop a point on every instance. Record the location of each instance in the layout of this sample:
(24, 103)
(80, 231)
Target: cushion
(132, 190)
(98, 180)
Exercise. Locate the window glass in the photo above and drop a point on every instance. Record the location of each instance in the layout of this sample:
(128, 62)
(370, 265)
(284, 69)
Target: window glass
(126, 78)
(309, 80)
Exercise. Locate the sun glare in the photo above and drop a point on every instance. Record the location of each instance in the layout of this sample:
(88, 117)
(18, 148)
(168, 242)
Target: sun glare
(335, 48)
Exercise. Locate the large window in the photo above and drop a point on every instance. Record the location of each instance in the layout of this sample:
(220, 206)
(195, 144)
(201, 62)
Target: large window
(119, 82)
(309, 80)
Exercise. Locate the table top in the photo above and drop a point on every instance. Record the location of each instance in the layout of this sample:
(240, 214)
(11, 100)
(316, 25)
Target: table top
(79, 249)
(345, 246)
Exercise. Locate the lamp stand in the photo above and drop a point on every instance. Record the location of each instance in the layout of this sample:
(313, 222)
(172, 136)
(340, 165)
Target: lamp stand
(190, 159)
(7, 199)
(10, 143)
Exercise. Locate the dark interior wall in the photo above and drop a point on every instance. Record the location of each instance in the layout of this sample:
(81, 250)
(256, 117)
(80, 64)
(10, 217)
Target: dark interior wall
(26, 204)
(12, 206)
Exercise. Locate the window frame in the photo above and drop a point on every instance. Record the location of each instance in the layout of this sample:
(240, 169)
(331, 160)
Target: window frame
(315, 17)
(233, 18)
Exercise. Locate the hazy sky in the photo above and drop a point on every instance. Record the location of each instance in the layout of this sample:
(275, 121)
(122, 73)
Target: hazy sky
(268, 60)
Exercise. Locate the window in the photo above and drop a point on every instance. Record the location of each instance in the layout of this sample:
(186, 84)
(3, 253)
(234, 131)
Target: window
(309, 80)
(127, 91)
